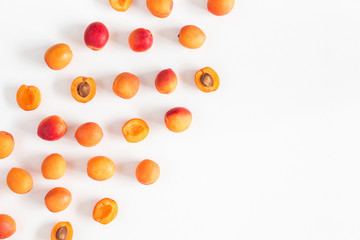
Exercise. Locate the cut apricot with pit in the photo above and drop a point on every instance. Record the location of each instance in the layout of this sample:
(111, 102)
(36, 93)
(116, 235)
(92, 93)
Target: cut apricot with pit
(57, 199)
(120, 5)
(19, 181)
(7, 144)
(105, 211)
(62, 231)
(28, 97)
(207, 80)
(135, 130)
(147, 172)
(53, 166)
(7, 226)
(83, 89)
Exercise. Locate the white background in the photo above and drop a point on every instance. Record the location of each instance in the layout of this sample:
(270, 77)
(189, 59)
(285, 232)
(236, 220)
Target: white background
(273, 154)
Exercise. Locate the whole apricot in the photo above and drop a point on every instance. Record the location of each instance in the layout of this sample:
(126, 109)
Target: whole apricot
(100, 168)
(140, 40)
(160, 8)
(220, 7)
(7, 226)
(191, 36)
(89, 134)
(207, 80)
(147, 172)
(178, 119)
(83, 89)
(120, 5)
(62, 231)
(105, 211)
(57, 199)
(126, 85)
(96, 36)
(53, 166)
(6, 144)
(52, 128)
(58, 56)
(28, 97)
(166, 81)
(19, 181)
(135, 130)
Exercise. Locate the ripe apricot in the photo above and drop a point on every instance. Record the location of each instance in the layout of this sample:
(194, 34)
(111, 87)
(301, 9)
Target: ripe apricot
(96, 36)
(7, 226)
(207, 80)
(53, 166)
(52, 128)
(140, 40)
(58, 56)
(147, 172)
(83, 89)
(126, 85)
(166, 81)
(220, 7)
(28, 97)
(57, 199)
(178, 119)
(105, 211)
(120, 5)
(19, 181)
(160, 8)
(191, 36)
(62, 231)
(89, 134)
(135, 130)
(6, 144)
(100, 168)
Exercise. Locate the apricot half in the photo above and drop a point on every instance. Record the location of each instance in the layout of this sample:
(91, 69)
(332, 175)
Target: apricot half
(96, 36)
(28, 97)
(58, 56)
(147, 172)
(160, 8)
(7, 226)
(83, 89)
(100, 168)
(166, 81)
(105, 211)
(7, 144)
(120, 5)
(126, 85)
(53, 166)
(191, 36)
(140, 40)
(220, 7)
(135, 130)
(52, 128)
(62, 231)
(57, 199)
(19, 181)
(207, 80)
(178, 119)
(89, 134)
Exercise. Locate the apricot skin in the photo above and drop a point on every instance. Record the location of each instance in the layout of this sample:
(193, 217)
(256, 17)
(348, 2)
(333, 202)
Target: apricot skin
(6, 144)
(147, 172)
(52, 128)
(135, 130)
(96, 36)
(166, 81)
(160, 8)
(89, 134)
(19, 181)
(192, 37)
(83, 89)
(178, 119)
(53, 166)
(220, 7)
(68, 231)
(126, 85)
(57, 199)
(7, 226)
(28, 97)
(120, 5)
(140, 40)
(58, 56)
(105, 211)
(100, 168)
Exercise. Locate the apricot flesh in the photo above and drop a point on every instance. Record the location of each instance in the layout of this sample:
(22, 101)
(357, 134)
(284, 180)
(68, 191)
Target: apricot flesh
(120, 5)
(28, 97)
(53, 166)
(147, 172)
(220, 7)
(135, 130)
(83, 89)
(7, 144)
(62, 231)
(100, 168)
(166, 81)
(96, 36)
(7, 226)
(192, 37)
(105, 211)
(126, 85)
(160, 8)
(57, 199)
(207, 79)
(140, 40)
(178, 119)
(19, 181)
(89, 134)
(58, 56)
(52, 128)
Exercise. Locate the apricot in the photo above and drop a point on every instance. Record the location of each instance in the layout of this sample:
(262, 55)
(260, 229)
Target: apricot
(147, 172)
(120, 5)
(220, 7)
(100, 168)
(6, 144)
(191, 36)
(89, 134)
(19, 181)
(166, 81)
(135, 130)
(140, 40)
(62, 231)
(83, 89)
(28, 97)
(57, 199)
(53, 166)
(160, 8)
(52, 128)
(207, 80)
(105, 211)
(58, 56)
(178, 119)
(126, 85)
(7, 226)
(96, 36)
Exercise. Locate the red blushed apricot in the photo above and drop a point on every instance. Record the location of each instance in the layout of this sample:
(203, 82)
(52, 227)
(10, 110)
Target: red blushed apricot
(147, 172)
(178, 119)
(57, 199)
(7, 226)
(62, 231)
(89, 134)
(220, 7)
(120, 5)
(58, 56)
(135, 130)
(19, 181)
(28, 97)
(52, 128)
(83, 89)
(160, 8)
(140, 40)
(207, 80)
(6, 144)
(100, 168)
(191, 36)
(126, 85)
(96, 36)
(53, 166)
(105, 211)
(166, 81)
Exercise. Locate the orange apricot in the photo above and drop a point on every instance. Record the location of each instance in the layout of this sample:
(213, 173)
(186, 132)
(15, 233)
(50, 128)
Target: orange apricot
(7, 226)
(28, 97)
(100, 168)
(120, 5)
(207, 80)
(58, 56)
(52, 128)
(62, 231)
(147, 172)
(160, 8)
(53, 166)
(6, 144)
(83, 89)
(178, 119)
(220, 7)
(57, 199)
(105, 211)
(191, 36)
(19, 181)
(166, 81)
(126, 85)
(135, 130)
(89, 134)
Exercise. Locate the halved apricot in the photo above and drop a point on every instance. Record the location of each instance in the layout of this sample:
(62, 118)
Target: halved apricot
(83, 89)
(207, 80)
(57, 199)
(58, 56)
(7, 226)
(120, 5)
(100, 168)
(105, 211)
(6, 144)
(191, 36)
(28, 97)
(53, 166)
(19, 181)
(62, 231)
(135, 130)
(147, 172)
(126, 85)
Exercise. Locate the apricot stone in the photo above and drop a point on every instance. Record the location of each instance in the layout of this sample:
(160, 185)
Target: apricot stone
(207, 80)
(7, 226)
(58, 56)
(89, 134)
(160, 8)
(166, 81)
(6, 144)
(120, 5)
(220, 7)
(178, 119)
(19, 181)
(57, 199)
(83, 89)
(140, 40)
(52, 128)
(62, 231)
(126, 85)
(192, 37)
(96, 36)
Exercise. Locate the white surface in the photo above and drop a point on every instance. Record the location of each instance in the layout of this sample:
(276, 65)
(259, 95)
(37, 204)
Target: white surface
(273, 154)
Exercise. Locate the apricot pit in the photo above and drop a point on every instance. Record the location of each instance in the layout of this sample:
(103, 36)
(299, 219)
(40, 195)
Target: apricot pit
(62, 231)
(207, 80)
(83, 89)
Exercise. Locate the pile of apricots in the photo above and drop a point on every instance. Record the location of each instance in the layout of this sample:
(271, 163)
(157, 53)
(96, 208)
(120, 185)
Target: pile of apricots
(83, 90)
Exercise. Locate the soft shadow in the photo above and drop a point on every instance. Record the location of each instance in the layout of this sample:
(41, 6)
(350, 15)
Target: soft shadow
(120, 38)
(148, 79)
(9, 93)
(35, 54)
(187, 77)
(103, 3)
(141, 4)
(76, 164)
(75, 33)
(70, 132)
(44, 231)
(37, 195)
(155, 116)
(170, 34)
(86, 208)
(116, 127)
(63, 86)
(105, 82)
(32, 163)
(199, 3)
(128, 168)
(29, 124)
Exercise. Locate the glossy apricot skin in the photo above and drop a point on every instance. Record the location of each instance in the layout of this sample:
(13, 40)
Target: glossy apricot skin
(53, 166)
(62, 231)
(105, 211)
(166, 81)
(89, 134)
(7, 144)
(192, 37)
(52, 128)
(207, 79)
(57, 199)
(100, 168)
(220, 7)
(140, 40)
(178, 119)
(120, 5)
(126, 85)
(83, 89)
(135, 130)
(19, 181)
(96, 36)
(7, 226)
(58, 56)
(28, 97)
(160, 8)
(147, 172)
